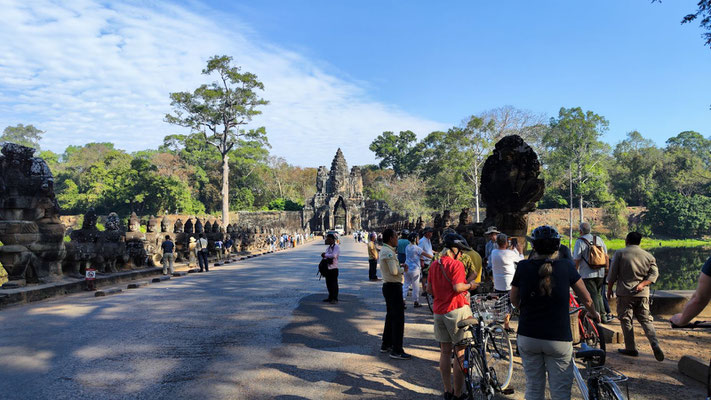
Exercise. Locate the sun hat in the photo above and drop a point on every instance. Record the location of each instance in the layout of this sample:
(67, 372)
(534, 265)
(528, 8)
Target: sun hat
(490, 230)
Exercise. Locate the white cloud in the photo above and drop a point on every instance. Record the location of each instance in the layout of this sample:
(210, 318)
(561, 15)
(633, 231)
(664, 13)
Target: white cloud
(96, 72)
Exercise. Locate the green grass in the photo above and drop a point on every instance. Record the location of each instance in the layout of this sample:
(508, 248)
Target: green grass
(648, 243)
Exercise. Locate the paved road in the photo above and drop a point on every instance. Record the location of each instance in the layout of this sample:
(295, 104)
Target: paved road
(253, 330)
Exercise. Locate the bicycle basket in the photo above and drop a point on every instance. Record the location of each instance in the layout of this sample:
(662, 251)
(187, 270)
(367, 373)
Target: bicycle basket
(491, 309)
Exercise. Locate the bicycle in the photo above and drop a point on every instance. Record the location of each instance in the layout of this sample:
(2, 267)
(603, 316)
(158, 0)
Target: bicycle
(488, 357)
(428, 296)
(589, 329)
(600, 382)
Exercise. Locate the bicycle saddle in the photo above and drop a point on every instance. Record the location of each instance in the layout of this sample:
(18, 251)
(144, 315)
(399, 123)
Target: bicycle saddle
(467, 322)
(588, 353)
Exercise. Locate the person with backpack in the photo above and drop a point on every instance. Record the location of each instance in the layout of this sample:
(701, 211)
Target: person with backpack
(331, 272)
(592, 262)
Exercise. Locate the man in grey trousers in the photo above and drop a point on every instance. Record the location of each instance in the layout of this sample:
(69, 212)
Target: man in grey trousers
(633, 270)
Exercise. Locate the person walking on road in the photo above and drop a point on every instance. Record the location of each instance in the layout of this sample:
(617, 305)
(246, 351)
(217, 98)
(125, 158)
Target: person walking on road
(201, 247)
(413, 253)
(633, 270)
(392, 272)
(372, 258)
(541, 289)
(592, 262)
(447, 283)
(168, 255)
(331, 256)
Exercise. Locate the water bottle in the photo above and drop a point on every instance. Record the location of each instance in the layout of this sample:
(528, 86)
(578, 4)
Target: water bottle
(465, 364)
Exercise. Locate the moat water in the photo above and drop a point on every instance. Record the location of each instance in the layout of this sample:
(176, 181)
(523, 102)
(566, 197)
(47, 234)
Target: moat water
(679, 267)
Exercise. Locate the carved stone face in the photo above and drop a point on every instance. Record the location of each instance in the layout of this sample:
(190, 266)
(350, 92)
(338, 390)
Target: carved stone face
(134, 224)
(89, 220)
(152, 225)
(112, 222)
(164, 224)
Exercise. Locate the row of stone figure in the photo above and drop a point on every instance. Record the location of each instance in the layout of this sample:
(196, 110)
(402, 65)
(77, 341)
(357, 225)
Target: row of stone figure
(114, 249)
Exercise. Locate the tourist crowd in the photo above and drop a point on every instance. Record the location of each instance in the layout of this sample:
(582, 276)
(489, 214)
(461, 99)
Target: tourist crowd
(541, 285)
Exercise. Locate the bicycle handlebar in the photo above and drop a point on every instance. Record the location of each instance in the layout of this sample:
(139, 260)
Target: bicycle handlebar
(576, 309)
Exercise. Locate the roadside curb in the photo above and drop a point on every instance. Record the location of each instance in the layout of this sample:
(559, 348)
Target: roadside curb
(107, 292)
(694, 368)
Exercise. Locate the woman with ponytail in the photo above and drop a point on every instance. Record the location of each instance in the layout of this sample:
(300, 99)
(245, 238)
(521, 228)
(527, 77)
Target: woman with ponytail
(541, 290)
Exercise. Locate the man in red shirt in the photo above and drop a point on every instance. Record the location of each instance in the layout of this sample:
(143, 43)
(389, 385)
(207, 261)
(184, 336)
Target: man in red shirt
(448, 285)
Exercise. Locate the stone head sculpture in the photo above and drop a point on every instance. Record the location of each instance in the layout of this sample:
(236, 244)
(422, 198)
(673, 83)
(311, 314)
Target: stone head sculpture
(165, 225)
(113, 223)
(134, 223)
(188, 227)
(90, 220)
(152, 225)
(178, 227)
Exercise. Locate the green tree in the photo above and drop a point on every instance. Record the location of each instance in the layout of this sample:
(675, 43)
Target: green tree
(633, 174)
(687, 159)
(26, 135)
(573, 148)
(460, 152)
(573, 145)
(703, 13)
(396, 151)
(218, 112)
(614, 216)
(672, 213)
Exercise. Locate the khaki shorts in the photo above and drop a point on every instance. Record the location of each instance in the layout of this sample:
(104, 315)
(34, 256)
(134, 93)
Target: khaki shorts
(445, 325)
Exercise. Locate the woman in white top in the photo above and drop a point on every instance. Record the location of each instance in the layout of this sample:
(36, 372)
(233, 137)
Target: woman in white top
(503, 266)
(331, 256)
(413, 254)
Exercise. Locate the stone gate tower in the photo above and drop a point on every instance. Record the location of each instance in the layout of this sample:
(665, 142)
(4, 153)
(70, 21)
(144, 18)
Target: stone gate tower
(338, 202)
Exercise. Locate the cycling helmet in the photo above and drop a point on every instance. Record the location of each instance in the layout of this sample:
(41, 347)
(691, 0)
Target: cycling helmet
(456, 241)
(412, 237)
(405, 233)
(545, 239)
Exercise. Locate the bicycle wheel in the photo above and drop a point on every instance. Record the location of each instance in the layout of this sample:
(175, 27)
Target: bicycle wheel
(499, 355)
(610, 391)
(591, 334)
(474, 377)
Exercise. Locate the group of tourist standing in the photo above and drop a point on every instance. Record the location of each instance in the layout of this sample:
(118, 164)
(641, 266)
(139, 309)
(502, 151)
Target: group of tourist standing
(539, 286)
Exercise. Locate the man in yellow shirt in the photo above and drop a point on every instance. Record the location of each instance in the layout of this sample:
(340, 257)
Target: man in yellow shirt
(392, 272)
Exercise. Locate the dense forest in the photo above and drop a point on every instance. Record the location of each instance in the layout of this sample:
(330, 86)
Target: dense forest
(416, 177)
(441, 171)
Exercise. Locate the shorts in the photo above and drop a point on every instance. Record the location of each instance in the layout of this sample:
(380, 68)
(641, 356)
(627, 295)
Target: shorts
(445, 325)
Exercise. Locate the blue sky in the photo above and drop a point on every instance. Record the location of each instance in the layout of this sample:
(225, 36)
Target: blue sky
(339, 73)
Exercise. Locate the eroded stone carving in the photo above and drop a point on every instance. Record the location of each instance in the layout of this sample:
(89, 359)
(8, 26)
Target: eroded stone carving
(29, 227)
(510, 185)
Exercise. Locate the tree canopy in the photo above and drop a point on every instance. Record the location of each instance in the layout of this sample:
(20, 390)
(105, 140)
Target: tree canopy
(217, 113)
